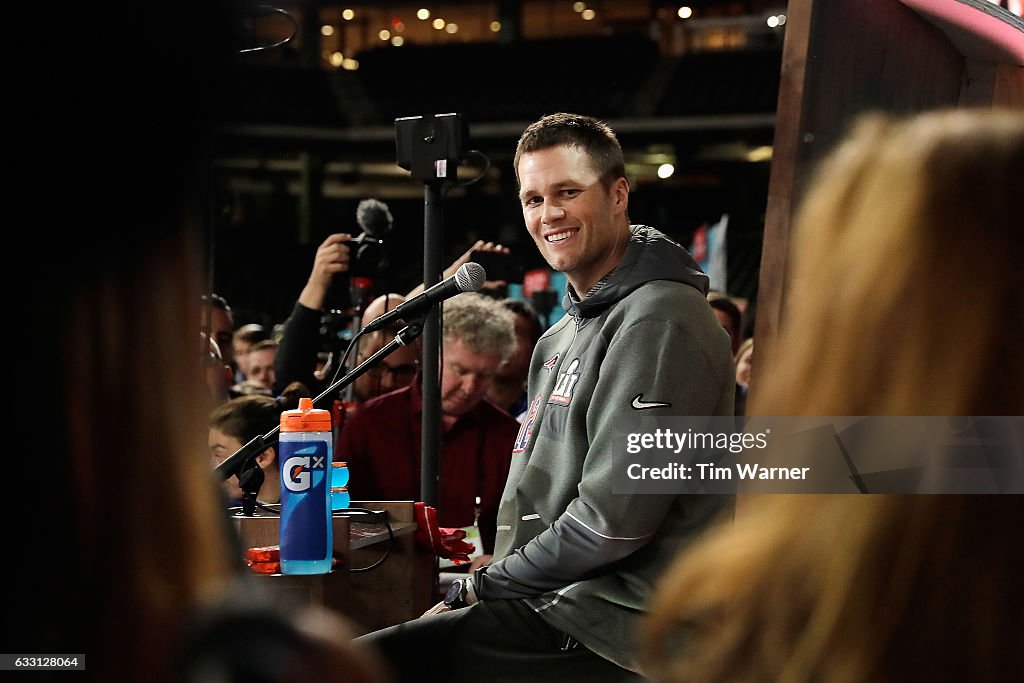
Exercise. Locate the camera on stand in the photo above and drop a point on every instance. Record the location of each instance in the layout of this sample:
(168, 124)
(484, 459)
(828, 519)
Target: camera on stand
(432, 146)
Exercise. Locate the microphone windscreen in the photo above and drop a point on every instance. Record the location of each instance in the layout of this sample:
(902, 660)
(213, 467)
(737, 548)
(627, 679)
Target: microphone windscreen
(470, 277)
(374, 217)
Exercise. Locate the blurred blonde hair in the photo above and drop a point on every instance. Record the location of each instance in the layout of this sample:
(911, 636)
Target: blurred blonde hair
(907, 282)
(747, 344)
(846, 589)
(907, 289)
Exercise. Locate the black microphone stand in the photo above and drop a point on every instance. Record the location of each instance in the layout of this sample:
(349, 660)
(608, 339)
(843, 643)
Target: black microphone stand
(250, 479)
(431, 147)
(243, 461)
(430, 442)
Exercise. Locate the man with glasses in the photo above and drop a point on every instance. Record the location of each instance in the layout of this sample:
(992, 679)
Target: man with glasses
(381, 441)
(301, 342)
(397, 369)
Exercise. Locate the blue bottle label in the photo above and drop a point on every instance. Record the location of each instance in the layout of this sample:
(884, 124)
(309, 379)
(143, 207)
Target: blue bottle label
(305, 501)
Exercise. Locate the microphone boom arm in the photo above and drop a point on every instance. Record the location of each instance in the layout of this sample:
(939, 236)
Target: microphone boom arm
(237, 461)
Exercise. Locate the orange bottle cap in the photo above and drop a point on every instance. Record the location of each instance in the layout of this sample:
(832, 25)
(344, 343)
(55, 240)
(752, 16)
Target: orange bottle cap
(306, 418)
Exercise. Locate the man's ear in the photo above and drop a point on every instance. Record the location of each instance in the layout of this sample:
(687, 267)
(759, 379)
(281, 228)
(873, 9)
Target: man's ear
(620, 190)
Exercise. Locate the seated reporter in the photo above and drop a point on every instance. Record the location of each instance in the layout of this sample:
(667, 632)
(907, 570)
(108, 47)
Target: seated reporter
(381, 441)
(238, 421)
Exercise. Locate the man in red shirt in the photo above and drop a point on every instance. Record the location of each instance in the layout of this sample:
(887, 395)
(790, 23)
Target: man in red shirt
(381, 441)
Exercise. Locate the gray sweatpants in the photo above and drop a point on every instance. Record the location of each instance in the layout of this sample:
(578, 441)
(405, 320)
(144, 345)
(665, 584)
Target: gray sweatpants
(494, 641)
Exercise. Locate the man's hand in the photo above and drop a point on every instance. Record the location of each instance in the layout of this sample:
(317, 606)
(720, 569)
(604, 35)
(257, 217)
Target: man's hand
(461, 593)
(481, 246)
(481, 561)
(484, 248)
(439, 608)
(332, 257)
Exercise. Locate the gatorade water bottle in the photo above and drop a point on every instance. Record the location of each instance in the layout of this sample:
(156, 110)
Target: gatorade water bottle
(339, 476)
(306, 534)
(340, 499)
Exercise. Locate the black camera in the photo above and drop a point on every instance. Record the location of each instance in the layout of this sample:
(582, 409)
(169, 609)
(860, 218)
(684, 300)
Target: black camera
(335, 327)
(431, 147)
(369, 258)
(499, 266)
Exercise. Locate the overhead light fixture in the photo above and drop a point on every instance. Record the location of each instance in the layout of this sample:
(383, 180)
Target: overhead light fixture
(763, 153)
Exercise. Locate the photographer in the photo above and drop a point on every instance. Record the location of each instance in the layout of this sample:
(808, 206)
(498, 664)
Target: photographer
(302, 339)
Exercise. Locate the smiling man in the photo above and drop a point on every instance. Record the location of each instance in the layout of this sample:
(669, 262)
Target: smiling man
(574, 561)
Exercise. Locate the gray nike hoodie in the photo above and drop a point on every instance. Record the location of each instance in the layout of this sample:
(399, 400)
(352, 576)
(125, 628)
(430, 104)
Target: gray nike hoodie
(644, 343)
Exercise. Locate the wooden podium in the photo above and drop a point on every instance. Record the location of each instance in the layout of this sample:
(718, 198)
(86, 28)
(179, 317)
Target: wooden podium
(840, 59)
(398, 589)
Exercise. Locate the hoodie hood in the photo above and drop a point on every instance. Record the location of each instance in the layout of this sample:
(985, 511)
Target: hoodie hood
(650, 255)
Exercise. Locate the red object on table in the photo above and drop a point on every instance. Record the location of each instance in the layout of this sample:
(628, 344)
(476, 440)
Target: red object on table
(444, 542)
(270, 553)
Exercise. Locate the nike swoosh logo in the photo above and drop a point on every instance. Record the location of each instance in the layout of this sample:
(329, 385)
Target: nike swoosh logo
(640, 404)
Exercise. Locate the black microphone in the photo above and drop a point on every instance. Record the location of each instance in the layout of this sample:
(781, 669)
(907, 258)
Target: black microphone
(374, 217)
(469, 278)
(369, 257)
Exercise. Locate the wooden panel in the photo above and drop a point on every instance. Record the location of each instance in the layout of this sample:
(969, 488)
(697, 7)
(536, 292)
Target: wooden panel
(979, 83)
(840, 59)
(788, 124)
(987, 84)
(1009, 86)
(871, 54)
(399, 589)
(332, 589)
(256, 532)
